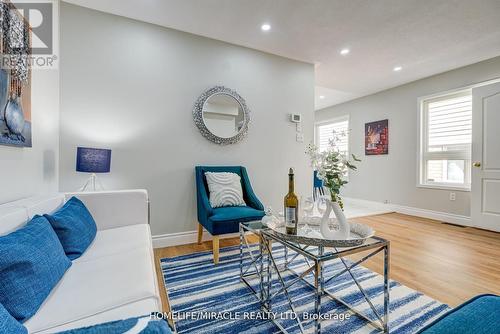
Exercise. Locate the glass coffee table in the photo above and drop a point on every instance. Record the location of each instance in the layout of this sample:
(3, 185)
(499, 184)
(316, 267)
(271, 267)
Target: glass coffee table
(258, 262)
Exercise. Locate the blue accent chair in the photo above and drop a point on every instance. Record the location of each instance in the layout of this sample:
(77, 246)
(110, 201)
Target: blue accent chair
(224, 220)
(318, 189)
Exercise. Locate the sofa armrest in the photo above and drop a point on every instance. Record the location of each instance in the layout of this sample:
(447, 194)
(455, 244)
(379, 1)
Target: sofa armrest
(112, 209)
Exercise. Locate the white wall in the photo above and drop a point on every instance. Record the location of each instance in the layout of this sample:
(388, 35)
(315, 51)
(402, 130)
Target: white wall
(393, 177)
(29, 171)
(131, 87)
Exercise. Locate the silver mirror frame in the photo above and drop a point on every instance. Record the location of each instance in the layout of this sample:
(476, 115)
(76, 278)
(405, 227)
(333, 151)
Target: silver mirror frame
(198, 115)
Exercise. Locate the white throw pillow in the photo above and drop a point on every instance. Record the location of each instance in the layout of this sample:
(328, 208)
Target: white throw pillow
(225, 189)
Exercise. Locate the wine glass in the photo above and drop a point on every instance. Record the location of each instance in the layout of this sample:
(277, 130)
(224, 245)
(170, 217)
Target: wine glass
(308, 207)
(321, 205)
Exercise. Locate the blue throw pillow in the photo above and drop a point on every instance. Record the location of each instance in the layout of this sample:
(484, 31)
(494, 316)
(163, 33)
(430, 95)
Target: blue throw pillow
(74, 226)
(32, 261)
(10, 325)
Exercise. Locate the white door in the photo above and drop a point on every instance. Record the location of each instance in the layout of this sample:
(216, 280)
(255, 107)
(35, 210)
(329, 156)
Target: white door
(485, 188)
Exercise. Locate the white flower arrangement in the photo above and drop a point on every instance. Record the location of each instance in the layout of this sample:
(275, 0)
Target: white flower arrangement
(332, 165)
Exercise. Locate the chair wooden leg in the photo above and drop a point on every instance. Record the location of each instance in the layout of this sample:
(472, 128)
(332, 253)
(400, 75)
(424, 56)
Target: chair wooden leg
(200, 233)
(215, 248)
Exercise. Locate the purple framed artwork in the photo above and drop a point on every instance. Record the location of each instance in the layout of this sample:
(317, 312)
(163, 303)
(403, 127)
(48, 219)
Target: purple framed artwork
(377, 137)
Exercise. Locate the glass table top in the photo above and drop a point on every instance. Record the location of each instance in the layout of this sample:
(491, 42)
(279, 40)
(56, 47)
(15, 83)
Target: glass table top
(315, 246)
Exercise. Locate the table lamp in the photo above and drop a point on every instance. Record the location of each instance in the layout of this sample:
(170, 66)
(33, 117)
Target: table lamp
(92, 160)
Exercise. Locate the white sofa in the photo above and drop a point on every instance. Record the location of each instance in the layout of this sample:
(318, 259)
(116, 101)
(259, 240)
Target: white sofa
(114, 279)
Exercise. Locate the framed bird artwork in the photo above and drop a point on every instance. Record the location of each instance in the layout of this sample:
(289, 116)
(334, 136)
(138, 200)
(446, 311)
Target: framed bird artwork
(15, 78)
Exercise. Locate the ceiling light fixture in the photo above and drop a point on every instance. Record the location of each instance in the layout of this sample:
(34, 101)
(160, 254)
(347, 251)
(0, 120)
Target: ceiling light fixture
(265, 27)
(344, 52)
(397, 68)
(322, 97)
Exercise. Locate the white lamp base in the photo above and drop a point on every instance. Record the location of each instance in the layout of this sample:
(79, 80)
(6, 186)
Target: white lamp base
(91, 183)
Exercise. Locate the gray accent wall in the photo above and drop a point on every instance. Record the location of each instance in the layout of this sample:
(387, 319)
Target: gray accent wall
(131, 87)
(393, 177)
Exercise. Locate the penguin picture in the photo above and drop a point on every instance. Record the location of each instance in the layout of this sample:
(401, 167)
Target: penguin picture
(15, 128)
(15, 78)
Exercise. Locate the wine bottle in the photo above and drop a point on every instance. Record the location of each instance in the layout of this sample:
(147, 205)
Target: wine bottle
(291, 206)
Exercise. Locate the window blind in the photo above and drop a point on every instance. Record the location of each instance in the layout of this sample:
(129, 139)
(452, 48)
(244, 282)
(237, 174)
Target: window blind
(450, 124)
(325, 134)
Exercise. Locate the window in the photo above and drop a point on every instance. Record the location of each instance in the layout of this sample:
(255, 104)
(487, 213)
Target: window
(446, 137)
(324, 133)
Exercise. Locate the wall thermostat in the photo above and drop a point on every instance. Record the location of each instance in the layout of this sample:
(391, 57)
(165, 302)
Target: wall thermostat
(296, 118)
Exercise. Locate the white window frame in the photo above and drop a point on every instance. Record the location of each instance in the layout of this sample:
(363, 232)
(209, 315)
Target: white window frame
(423, 156)
(330, 121)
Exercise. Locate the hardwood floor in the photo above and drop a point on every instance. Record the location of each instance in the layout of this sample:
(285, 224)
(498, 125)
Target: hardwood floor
(448, 263)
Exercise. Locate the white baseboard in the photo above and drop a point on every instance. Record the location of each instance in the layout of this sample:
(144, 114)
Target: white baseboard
(424, 213)
(436, 215)
(184, 238)
(408, 210)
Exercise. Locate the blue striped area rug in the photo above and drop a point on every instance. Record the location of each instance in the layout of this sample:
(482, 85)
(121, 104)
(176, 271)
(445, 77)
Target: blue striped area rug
(212, 299)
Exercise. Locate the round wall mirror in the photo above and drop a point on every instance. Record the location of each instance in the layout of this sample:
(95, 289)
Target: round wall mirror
(221, 115)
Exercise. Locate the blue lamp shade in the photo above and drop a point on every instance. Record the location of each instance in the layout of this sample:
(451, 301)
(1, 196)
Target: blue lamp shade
(93, 160)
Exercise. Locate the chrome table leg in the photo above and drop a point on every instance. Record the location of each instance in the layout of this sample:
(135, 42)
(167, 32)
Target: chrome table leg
(387, 268)
(285, 250)
(269, 280)
(318, 291)
(261, 284)
(241, 251)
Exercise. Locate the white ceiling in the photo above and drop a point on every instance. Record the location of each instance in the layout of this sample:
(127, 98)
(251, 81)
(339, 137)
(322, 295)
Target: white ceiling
(424, 37)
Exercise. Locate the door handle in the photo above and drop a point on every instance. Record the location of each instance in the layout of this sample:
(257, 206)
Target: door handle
(476, 164)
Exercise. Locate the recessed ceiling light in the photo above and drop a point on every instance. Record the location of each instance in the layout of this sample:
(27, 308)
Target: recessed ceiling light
(397, 68)
(265, 27)
(344, 52)
(322, 97)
